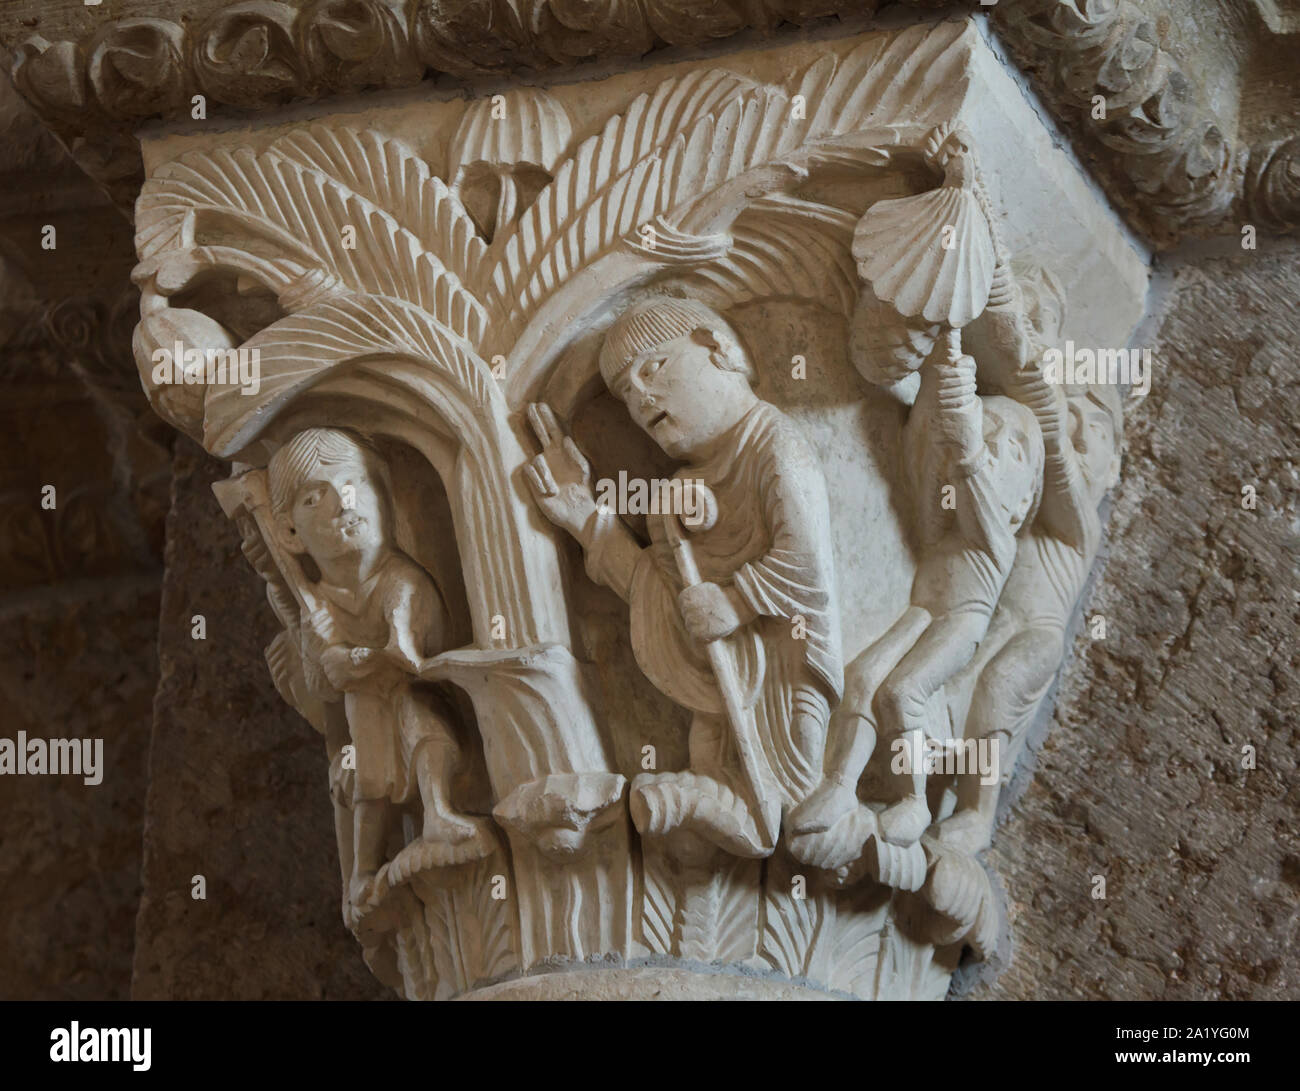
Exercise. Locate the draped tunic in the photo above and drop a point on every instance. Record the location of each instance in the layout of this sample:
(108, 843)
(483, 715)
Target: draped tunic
(772, 543)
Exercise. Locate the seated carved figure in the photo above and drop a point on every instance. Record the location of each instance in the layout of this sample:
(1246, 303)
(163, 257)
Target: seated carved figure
(975, 470)
(766, 589)
(379, 616)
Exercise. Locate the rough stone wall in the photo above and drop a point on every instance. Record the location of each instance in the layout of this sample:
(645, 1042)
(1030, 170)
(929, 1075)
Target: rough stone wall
(79, 576)
(79, 663)
(1141, 779)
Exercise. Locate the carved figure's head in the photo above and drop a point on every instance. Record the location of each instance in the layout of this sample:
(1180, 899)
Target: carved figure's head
(1016, 443)
(1096, 424)
(679, 368)
(1044, 302)
(328, 495)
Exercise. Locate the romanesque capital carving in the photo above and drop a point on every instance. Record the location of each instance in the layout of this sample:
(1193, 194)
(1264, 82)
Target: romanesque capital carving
(673, 527)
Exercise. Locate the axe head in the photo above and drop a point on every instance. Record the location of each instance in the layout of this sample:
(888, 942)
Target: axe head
(246, 492)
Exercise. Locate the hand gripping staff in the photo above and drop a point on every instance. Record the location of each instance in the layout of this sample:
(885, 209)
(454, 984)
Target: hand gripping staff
(739, 715)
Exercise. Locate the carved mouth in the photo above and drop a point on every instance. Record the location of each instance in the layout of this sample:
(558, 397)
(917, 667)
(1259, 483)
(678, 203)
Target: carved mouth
(656, 421)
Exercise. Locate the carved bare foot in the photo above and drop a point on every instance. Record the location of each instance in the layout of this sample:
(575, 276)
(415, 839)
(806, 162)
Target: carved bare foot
(828, 803)
(902, 823)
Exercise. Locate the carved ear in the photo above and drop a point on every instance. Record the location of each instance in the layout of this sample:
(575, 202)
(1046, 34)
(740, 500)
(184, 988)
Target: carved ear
(706, 337)
(285, 535)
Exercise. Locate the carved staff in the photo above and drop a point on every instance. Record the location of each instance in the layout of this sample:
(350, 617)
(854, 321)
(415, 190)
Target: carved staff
(741, 717)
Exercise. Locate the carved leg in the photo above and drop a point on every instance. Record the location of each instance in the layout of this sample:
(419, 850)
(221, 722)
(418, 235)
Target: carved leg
(943, 649)
(369, 837)
(851, 736)
(1006, 696)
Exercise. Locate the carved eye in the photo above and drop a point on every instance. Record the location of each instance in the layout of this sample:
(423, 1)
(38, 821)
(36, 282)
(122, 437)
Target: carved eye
(651, 367)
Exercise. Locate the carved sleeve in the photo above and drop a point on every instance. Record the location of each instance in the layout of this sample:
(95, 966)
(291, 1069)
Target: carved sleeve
(612, 553)
(979, 511)
(416, 616)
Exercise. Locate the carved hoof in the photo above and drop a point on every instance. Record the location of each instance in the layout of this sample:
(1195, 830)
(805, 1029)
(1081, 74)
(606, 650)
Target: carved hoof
(852, 850)
(668, 804)
(958, 890)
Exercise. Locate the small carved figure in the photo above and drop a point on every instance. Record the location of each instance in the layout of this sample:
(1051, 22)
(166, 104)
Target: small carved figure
(371, 620)
(1080, 428)
(766, 584)
(975, 467)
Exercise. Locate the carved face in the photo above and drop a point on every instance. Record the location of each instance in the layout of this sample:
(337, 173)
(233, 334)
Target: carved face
(335, 512)
(1018, 468)
(956, 145)
(1093, 436)
(679, 397)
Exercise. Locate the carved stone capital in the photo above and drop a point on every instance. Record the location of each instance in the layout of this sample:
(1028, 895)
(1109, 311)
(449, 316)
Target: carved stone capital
(665, 488)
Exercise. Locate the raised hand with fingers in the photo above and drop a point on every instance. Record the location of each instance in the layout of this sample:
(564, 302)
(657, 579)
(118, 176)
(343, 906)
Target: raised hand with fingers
(560, 476)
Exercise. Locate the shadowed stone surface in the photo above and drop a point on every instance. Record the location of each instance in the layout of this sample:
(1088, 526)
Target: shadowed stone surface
(79, 664)
(1141, 780)
(237, 792)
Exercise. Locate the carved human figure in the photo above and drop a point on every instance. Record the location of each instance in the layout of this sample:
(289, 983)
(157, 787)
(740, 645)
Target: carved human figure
(377, 617)
(1080, 428)
(766, 585)
(975, 468)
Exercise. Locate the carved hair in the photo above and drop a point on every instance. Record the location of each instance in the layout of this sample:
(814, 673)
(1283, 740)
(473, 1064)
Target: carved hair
(652, 323)
(309, 451)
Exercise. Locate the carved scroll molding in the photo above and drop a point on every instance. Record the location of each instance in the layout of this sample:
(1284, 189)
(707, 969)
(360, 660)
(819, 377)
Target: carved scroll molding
(1171, 159)
(566, 732)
